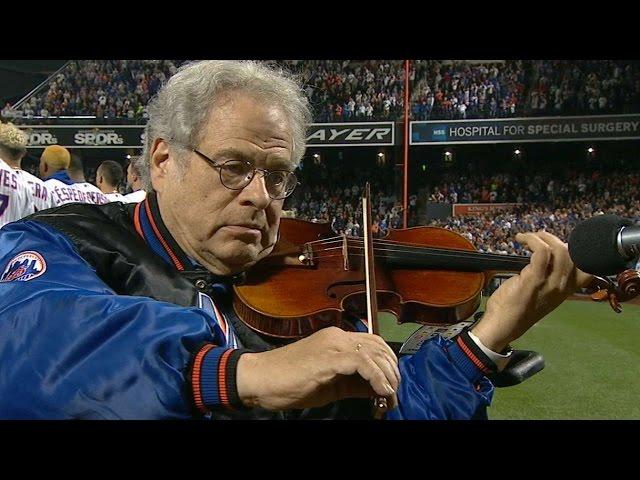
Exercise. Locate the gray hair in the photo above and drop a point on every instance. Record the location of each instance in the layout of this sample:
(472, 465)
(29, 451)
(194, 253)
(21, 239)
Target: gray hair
(181, 108)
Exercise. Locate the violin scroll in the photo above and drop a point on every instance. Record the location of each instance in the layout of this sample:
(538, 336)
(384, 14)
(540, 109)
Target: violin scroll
(625, 288)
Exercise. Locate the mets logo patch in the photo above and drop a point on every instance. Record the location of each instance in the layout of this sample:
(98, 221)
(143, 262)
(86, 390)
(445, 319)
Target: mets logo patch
(24, 266)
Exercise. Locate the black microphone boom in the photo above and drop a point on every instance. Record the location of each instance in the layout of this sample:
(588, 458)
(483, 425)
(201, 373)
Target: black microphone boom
(605, 245)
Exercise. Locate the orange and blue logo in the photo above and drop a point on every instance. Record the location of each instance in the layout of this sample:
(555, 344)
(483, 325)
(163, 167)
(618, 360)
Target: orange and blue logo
(23, 267)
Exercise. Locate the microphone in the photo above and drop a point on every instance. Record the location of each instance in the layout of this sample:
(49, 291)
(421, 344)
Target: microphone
(605, 245)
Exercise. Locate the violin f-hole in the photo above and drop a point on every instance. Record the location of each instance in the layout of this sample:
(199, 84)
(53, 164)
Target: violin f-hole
(330, 290)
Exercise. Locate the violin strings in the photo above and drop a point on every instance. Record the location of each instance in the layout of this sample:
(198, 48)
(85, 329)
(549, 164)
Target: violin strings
(438, 253)
(339, 241)
(516, 262)
(467, 254)
(513, 267)
(506, 268)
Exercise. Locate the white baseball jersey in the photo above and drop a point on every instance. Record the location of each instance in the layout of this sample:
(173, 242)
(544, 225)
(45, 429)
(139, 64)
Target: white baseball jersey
(135, 197)
(114, 197)
(15, 195)
(83, 192)
(39, 192)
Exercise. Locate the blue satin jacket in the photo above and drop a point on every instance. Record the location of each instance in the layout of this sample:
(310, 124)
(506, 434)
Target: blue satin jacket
(71, 348)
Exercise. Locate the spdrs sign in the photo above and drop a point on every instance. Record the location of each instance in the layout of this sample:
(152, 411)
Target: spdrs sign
(79, 136)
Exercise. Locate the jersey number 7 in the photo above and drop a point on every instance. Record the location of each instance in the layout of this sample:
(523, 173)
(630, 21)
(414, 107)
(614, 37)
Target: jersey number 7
(4, 203)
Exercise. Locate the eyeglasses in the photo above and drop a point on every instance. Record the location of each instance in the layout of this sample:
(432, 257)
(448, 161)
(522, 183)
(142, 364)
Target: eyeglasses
(237, 174)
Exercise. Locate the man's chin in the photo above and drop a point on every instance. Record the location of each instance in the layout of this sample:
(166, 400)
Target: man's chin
(233, 262)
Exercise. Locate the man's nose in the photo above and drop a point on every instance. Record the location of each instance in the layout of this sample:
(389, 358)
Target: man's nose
(255, 193)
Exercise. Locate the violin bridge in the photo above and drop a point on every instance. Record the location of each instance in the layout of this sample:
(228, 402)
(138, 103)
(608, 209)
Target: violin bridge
(345, 252)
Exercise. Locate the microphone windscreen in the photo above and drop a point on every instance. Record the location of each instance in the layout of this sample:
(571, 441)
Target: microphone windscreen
(593, 245)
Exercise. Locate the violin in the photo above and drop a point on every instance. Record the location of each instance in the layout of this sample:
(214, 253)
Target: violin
(429, 275)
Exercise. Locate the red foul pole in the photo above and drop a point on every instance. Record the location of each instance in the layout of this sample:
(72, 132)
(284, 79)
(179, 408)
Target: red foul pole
(405, 199)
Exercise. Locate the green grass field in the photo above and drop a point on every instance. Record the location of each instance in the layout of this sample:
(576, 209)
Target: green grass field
(592, 370)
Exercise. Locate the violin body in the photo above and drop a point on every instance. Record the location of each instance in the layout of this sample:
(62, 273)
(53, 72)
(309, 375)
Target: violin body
(307, 284)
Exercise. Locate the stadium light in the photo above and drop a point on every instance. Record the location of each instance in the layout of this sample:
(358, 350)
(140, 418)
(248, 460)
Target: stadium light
(315, 155)
(128, 157)
(380, 154)
(517, 151)
(590, 150)
(448, 157)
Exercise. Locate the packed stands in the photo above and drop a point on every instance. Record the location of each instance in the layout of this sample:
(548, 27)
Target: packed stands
(370, 90)
(333, 195)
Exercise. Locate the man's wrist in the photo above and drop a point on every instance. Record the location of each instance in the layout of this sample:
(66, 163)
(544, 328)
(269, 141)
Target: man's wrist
(469, 358)
(499, 359)
(490, 334)
(248, 379)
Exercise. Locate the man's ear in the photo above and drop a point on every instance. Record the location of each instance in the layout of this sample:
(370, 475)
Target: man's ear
(159, 166)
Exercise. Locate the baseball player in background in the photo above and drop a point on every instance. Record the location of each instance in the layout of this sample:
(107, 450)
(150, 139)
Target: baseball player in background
(108, 177)
(21, 193)
(76, 170)
(54, 162)
(134, 182)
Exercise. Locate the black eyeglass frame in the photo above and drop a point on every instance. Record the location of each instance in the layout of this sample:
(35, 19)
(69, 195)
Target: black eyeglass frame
(265, 173)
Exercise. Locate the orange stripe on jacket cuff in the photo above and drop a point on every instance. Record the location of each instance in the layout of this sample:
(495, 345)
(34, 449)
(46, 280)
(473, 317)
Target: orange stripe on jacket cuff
(472, 357)
(195, 378)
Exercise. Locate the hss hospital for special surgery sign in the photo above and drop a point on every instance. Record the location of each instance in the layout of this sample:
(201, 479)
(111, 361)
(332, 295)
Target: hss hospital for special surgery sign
(543, 129)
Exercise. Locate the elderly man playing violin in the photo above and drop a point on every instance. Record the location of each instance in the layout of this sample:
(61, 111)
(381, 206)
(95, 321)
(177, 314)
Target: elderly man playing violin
(124, 311)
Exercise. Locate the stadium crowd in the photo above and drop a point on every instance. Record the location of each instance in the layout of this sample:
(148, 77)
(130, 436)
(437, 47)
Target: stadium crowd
(539, 188)
(343, 209)
(353, 91)
(369, 90)
(333, 195)
(494, 232)
(583, 87)
(460, 90)
(102, 88)
(552, 204)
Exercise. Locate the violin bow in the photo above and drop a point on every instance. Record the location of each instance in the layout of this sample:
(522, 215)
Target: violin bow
(380, 403)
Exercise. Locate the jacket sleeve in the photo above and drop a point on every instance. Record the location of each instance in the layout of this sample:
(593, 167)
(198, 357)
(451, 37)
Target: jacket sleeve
(70, 348)
(442, 381)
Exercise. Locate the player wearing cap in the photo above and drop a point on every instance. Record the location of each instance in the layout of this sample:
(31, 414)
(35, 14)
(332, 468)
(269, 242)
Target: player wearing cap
(21, 193)
(54, 162)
